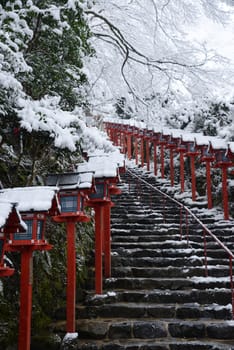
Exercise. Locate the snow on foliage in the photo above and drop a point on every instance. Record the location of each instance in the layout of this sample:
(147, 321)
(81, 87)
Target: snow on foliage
(18, 32)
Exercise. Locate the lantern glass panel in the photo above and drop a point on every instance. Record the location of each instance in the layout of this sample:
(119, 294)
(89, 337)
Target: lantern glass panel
(100, 191)
(1, 249)
(68, 204)
(191, 147)
(81, 203)
(40, 226)
(25, 235)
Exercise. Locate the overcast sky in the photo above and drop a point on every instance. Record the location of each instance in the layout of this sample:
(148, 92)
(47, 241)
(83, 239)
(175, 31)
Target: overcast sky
(216, 35)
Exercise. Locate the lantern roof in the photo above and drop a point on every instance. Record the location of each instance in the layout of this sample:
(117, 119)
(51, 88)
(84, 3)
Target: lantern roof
(218, 144)
(101, 166)
(176, 133)
(36, 198)
(231, 147)
(202, 140)
(9, 216)
(5, 210)
(72, 180)
(190, 137)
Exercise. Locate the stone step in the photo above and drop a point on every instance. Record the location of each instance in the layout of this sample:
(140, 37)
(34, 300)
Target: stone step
(160, 344)
(170, 252)
(193, 260)
(155, 329)
(169, 271)
(157, 311)
(123, 236)
(166, 283)
(166, 244)
(215, 296)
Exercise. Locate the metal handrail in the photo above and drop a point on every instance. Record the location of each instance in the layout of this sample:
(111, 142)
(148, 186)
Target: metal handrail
(205, 231)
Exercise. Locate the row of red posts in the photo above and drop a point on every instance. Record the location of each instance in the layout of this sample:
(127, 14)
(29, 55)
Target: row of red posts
(22, 228)
(135, 138)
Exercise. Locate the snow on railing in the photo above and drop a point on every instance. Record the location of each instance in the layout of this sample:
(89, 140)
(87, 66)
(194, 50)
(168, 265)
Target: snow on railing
(206, 231)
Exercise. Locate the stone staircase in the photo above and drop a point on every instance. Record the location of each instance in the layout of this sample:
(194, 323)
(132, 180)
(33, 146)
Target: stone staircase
(158, 297)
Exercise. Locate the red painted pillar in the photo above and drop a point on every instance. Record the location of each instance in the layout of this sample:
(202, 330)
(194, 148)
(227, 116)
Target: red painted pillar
(71, 277)
(98, 248)
(162, 161)
(225, 192)
(129, 146)
(107, 240)
(142, 152)
(208, 185)
(136, 149)
(182, 171)
(26, 282)
(116, 137)
(155, 159)
(172, 167)
(193, 176)
(147, 149)
(122, 142)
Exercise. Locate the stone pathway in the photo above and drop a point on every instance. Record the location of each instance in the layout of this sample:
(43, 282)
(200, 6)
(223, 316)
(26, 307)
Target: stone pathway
(158, 297)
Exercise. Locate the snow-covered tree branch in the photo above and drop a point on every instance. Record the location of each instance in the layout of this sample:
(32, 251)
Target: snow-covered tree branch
(145, 50)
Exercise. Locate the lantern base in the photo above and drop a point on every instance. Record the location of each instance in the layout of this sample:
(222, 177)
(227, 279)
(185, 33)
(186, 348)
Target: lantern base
(74, 217)
(18, 246)
(6, 271)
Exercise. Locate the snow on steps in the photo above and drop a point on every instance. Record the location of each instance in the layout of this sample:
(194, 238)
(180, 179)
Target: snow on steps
(158, 298)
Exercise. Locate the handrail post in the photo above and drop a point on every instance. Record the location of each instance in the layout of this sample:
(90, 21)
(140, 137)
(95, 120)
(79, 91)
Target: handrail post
(164, 205)
(172, 167)
(205, 252)
(187, 228)
(155, 159)
(162, 161)
(181, 222)
(231, 285)
(136, 150)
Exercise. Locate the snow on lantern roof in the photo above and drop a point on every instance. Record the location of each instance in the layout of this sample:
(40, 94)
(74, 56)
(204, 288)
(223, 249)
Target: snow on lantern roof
(86, 180)
(9, 211)
(217, 143)
(166, 132)
(202, 140)
(36, 198)
(231, 146)
(5, 210)
(101, 166)
(190, 137)
(176, 133)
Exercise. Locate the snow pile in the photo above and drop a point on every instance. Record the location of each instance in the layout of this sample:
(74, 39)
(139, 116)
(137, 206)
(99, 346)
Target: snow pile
(37, 198)
(101, 166)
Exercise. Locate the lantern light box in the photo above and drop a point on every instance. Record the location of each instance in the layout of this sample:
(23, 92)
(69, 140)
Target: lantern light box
(73, 188)
(105, 171)
(10, 221)
(35, 203)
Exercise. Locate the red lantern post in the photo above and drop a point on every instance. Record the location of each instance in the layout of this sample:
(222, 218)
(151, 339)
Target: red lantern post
(207, 157)
(106, 175)
(192, 153)
(222, 161)
(172, 145)
(73, 188)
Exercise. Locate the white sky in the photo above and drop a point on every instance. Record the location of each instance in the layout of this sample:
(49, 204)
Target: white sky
(217, 36)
